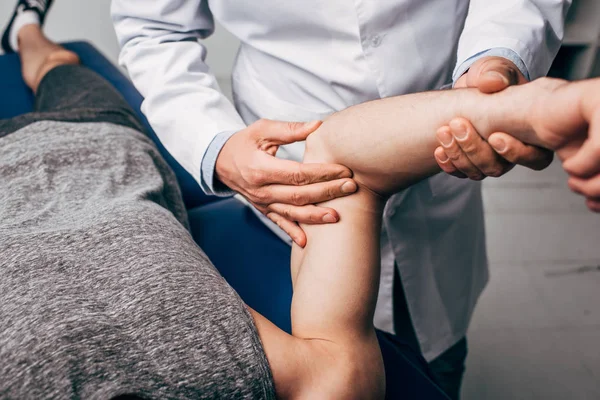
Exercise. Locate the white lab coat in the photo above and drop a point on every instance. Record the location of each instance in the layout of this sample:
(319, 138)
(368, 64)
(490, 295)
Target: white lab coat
(303, 60)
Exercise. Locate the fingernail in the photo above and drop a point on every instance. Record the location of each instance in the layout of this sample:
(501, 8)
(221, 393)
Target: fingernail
(497, 75)
(445, 137)
(460, 130)
(349, 187)
(329, 218)
(498, 144)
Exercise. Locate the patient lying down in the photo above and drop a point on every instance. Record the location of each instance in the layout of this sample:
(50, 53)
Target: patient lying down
(104, 292)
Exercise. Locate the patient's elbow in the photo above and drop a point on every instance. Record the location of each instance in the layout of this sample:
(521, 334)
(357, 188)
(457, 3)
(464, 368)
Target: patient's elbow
(319, 147)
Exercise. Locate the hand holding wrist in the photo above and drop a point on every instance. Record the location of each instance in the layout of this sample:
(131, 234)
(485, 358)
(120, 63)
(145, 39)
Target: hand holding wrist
(466, 152)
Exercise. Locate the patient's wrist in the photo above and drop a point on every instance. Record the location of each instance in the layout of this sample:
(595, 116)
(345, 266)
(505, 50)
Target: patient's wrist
(513, 111)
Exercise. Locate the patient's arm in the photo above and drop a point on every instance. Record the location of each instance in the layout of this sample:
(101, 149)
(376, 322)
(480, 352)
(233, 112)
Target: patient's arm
(389, 145)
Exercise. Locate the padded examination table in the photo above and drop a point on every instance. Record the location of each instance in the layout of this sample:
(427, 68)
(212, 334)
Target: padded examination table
(252, 259)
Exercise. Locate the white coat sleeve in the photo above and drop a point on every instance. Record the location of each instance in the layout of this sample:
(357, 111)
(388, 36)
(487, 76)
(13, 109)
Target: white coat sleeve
(161, 50)
(532, 29)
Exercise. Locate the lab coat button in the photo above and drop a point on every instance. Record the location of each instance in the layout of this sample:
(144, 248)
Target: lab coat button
(376, 40)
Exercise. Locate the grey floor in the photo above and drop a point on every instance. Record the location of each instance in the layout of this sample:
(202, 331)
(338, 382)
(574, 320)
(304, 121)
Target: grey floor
(536, 331)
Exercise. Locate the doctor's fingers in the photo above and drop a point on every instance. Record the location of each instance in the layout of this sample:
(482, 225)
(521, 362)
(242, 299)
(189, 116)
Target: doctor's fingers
(456, 156)
(308, 214)
(494, 74)
(477, 150)
(517, 152)
(445, 163)
(272, 170)
(291, 228)
(302, 195)
(274, 133)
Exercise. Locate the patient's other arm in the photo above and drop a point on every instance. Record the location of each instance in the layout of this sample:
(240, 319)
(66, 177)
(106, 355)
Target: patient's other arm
(389, 146)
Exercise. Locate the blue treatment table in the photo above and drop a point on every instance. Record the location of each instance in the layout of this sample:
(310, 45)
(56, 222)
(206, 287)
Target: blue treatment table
(250, 257)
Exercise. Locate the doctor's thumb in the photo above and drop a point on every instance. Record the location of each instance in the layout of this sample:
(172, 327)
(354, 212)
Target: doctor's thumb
(495, 79)
(297, 131)
(496, 74)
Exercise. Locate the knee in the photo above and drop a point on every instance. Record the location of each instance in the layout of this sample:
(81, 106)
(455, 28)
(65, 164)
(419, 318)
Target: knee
(62, 56)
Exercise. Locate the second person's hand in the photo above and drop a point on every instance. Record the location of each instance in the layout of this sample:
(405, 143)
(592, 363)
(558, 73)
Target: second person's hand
(285, 191)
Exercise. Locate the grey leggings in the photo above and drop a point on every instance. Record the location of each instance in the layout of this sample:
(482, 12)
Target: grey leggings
(73, 93)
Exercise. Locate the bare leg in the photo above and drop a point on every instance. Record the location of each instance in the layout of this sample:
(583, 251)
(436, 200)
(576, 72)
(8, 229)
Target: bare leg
(39, 55)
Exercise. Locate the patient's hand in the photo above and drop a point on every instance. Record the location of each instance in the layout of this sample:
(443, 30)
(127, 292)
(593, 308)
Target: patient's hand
(463, 153)
(569, 121)
(564, 117)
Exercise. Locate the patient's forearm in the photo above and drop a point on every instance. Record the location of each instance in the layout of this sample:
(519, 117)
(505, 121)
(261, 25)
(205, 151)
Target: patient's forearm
(389, 143)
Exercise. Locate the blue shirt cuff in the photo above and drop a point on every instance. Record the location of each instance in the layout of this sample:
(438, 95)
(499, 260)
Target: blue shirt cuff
(504, 52)
(208, 182)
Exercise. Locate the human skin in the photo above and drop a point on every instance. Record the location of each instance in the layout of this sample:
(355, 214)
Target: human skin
(286, 191)
(388, 144)
(483, 158)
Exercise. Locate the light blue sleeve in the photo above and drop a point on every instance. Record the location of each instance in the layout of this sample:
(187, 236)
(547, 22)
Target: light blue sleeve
(209, 163)
(495, 52)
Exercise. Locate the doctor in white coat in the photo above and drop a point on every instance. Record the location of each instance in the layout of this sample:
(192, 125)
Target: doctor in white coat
(303, 60)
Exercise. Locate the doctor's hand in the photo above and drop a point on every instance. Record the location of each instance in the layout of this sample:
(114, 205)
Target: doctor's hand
(463, 153)
(285, 191)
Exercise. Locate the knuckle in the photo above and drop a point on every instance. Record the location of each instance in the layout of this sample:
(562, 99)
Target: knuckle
(298, 178)
(256, 176)
(494, 172)
(453, 155)
(259, 196)
(292, 126)
(477, 176)
(469, 147)
(273, 217)
(287, 213)
(331, 193)
(297, 198)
